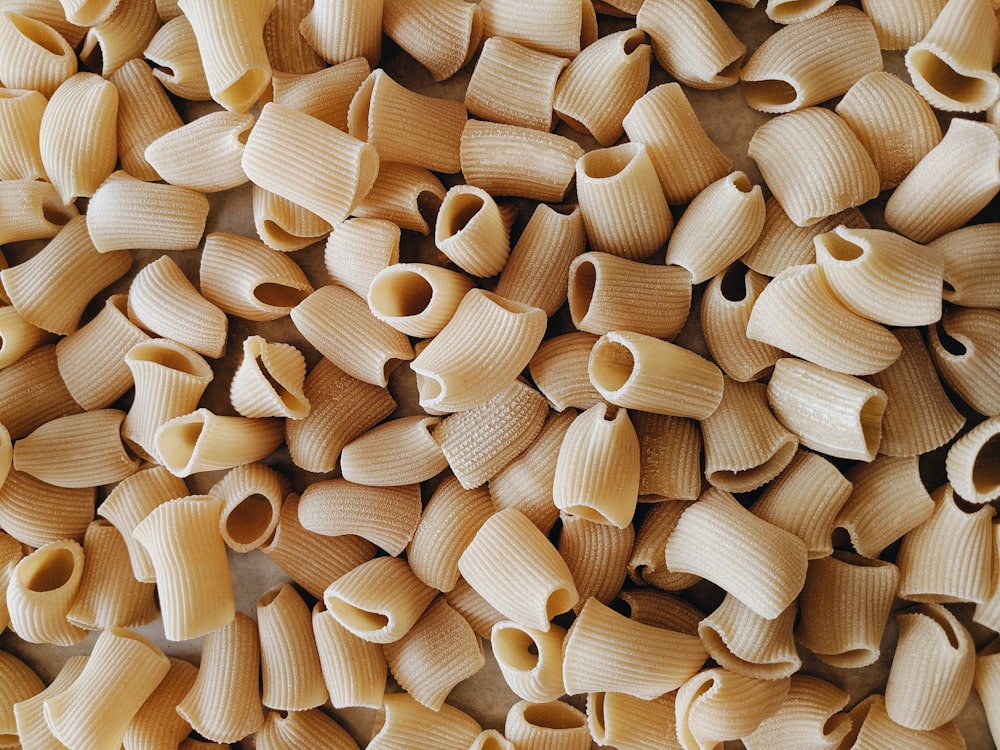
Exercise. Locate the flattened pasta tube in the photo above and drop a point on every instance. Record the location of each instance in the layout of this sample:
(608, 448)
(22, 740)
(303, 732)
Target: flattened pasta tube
(740, 640)
(374, 459)
(42, 588)
(195, 587)
(530, 660)
(283, 225)
(35, 56)
(205, 441)
(970, 265)
(29, 712)
(417, 299)
(641, 372)
(354, 669)
(291, 674)
(36, 513)
(442, 37)
(340, 30)
(760, 564)
(357, 249)
(157, 722)
(811, 715)
(269, 381)
(622, 720)
(972, 463)
(204, 154)
(559, 370)
(965, 348)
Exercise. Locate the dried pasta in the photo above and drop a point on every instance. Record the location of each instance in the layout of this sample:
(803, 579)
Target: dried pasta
(35, 56)
(417, 299)
(31, 210)
(175, 49)
(253, 495)
(374, 459)
(441, 36)
(969, 270)
(964, 347)
(557, 30)
(403, 194)
(206, 441)
(41, 591)
(901, 26)
(742, 641)
(340, 30)
(310, 727)
(812, 715)
(283, 225)
(471, 231)
(669, 456)
(122, 36)
(291, 674)
(36, 513)
(403, 722)
(204, 154)
(157, 722)
(971, 463)
(21, 113)
(647, 565)
(354, 669)
(530, 660)
(32, 729)
(17, 336)
(559, 370)
(358, 249)
(597, 555)
(269, 381)
(534, 726)
(32, 392)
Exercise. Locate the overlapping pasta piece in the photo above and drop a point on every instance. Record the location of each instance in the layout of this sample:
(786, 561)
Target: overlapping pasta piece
(31, 210)
(899, 26)
(812, 715)
(559, 370)
(472, 232)
(354, 669)
(403, 194)
(17, 336)
(550, 724)
(122, 36)
(204, 154)
(175, 49)
(969, 267)
(284, 225)
(647, 565)
(36, 513)
(32, 392)
(417, 299)
(253, 495)
(403, 722)
(441, 36)
(41, 592)
(625, 721)
(311, 727)
(269, 381)
(669, 455)
(340, 30)
(34, 55)
(559, 29)
(971, 463)
(291, 674)
(530, 660)
(29, 713)
(965, 348)
(21, 113)
(597, 555)
(374, 458)
(358, 249)
(742, 641)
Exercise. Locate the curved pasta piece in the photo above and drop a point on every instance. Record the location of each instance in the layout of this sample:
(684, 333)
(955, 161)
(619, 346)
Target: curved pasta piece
(740, 640)
(530, 660)
(874, 729)
(36, 513)
(558, 29)
(810, 61)
(491, 739)
(970, 265)
(122, 36)
(21, 113)
(311, 728)
(17, 336)
(762, 565)
(403, 722)
(29, 712)
(971, 463)
(965, 348)
(253, 495)
(641, 372)
(417, 299)
(291, 675)
(204, 441)
(622, 720)
(720, 224)
(269, 381)
(559, 370)
(283, 225)
(480, 613)
(34, 55)
(800, 313)
(901, 26)
(204, 154)
(41, 591)
(793, 11)
(550, 724)
(354, 670)
(340, 30)
(32, 392)
(374, 458)
(670, 456)
(403, 194)
(839, 174)
(157, 720)
(175, 49)
(441, 36)
(597, 555)
(811, 716)
(471, 231)
(647, 565)
(358, 249)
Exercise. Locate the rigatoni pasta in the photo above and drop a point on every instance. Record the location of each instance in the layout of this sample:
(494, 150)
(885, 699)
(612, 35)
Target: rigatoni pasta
(253, 495)
(358, 249)
(597, 555)
(175, 49)
(970, 463)
(340, 30)
(21, 116)
(559, 370)
(969, 265)
(35, 56)
(443, 37)
(740, 640)
(354, 669)
(530, 660)
(291, 674)
(32, 210)
(417, 299)
(41, 591)
(269, 381)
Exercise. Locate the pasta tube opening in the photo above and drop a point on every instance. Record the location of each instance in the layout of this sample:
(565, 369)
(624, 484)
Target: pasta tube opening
(559, 601)
(613, 364)
(356, 618)
(871, 421)
(943, 77)
(170, 358)
(177, 446)
(840, 248)
(48, 572)
(516, 648)
(770, 92)
(279, 295)
(400, 294)
(39, 33)
(554, 715)
(986, 471)
(464, 206)
(952, 345)
(605, 163)
(250, 519)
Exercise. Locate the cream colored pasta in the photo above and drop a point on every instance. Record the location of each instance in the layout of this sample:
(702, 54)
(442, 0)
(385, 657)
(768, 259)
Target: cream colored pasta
(441, 36)
(762, 565)
(204, 154)
(647, 565)
(403, 722)
(486, 344)
(417, 299)
(206, 441)
(597, 470)
(291, 675)
(243, 277)
(790, 11)
(51, 289)
(901, 26)
(971, 463)
(811, 715)
(31, 210)
(597, 555)
(88, 12)
(50, 12)
(20, 684)
(386, 516)
(374, 458)
(896, 125)
(122, 36)
(123, 670)
(132, 500)
(512, 160)
(269, 381)
(986, 683)
(181, 537)
(685, 158)
(514, 84)
(932, 670)
(471, 231)
(508, 547)
(253, 495)
(36, 375)
(535, 726)
(740, 640)
(283, 225)
(379, 600)
(17, 336)
(481, 441)
(29, 713)
(324, 94)
(21, 116)
(224, 705)
(354, 669)
(641, 372)
(557, 30)
(35, 56)
(669, 456)
(403, 194)
(624, 209)
(382, 111)
(157, 721)
(969, 265)
(340, 30)
(919, 416)
(530, 660)
(491, 739)
(312, 728)
(358, 249)
(313, 560)
(175, 49)
(559, 370)
(526, 482)
(962, 185)
(602, 84)
(41, 592)
(341, 407)
(965, 350)
(692, 42)
(480, 613)
(631, 723)
(875, 729)
(810, 61)
(840, 175)
(36, 513)
(800, 313)
(361, 344)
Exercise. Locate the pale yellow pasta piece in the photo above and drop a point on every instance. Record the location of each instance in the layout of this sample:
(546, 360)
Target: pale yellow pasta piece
(597, 555)
(32, 392)
(326, 93)
(965, 348)
(553, 724)
(243, 277)
(530, 660)
(17, 336)
(971, 463)
(841, 174)
(631, 723)
(721, 224)
(145, 112)
(291, 675)
(358, 249)
(417, 299)
(932, 670)
(952, 65)
(33, 55)
(441, 36)
(471, 231)
(19, 683)
(482, 615)
(762, 565)
(597, 470)
(645, 373)
(669, 456)
(559, 370)
(88, 12)
(491, 739)
(740, 640)
(29, 713)
(986, 682)
(175, 49)
(269, 381)
(647, 565)
(157, 722)
(403, 722)
(893, 122)
(253, 495)
(512, 160)
(310, 728)
(36, 513)
(481, 441)
(122, 36)
(811, 716)
(874, 730)
(204, 154)
(41, 592)
(188, 555)
(206, 441)
(20, 118)
(405, 126)
(970, 266)
(557, 30)
(375, 458)
(810, 61)
(284, 225)
(52, 13)
(224, 704)
(791, 11)
(361, 344)
(354, 670)
(949, 185)
(624, 209)
(901, 25)
(800, 313)
(51, 289)
(340, 30)
(403, 194)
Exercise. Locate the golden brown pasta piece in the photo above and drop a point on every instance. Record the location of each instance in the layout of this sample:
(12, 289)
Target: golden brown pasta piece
(597, 555)
(670, 456)
(559, 370)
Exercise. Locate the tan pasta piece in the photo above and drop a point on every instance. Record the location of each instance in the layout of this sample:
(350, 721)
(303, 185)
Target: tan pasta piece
(557, 30)
(597, 555)
(163, 300)
(559, 370)
(36, 513)
(122, 36)
(188, 555)
(471, 231)
(403, 722)
(32, 392)
(417, 299)
(157, 721)
(962, 184)
(800, 313)
(358, 249)
(512, 160)
(840, 175)
(482, 615)
(965, 348)
(810, 61)
(986, 684)
(874, 729)
(971, 463)
(35, 56)
(269, 381)
(544, 725)
(893, 122)
(514, 84)
(311, 728)
(374, 458)
(17, 336)
(51, 289)
(791, 11)
(919, 416)
(636, 371)
(253, 495)
(403, 194)
(205, 441)
(31, 210)
(441, 36)
(224, 704)
(243, 277)
(971, 268)
(204, 154)
(386, 516)
(624, 721)
(42, 588)
(742, 641)
(283, 225)
(647, 565)
(762, 565)
(53, 13)
(669, 456)
(291, 675)
(811, 716)
(29, 712)
(354, 670)
(20, 117)
(491, 739)
(88, 12)
(530, 660)
(174, 49)
(901, 26)
(340, 30)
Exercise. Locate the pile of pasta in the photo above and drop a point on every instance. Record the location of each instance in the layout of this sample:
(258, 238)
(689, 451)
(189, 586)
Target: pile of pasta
(512, 352)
